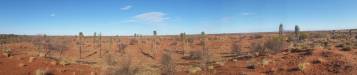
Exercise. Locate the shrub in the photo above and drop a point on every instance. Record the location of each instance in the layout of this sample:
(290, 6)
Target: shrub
(236, 47)
(303, 36)
(302, 66)
(193, 55)
(274, 45)
(7, 52)
(258, 36)
(124, 68)
(109, 60)
(168, 66)
(42, 72)
(258, 49)
(133, 42)
(122, 47)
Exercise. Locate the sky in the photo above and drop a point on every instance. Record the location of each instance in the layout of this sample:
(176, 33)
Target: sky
(171, 17)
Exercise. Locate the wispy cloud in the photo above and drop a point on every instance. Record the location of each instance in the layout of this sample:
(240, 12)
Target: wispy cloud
(151, 17)
(247, 13)
(53, 14)
(126, 7)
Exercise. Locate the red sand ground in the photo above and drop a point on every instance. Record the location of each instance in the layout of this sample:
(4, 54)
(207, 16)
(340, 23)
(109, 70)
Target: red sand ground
(320, 61)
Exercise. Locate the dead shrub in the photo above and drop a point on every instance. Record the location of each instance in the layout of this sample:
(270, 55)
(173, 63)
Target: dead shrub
(133, 42)
(339, 67)
(193, 55)
(109, 60)
(258, 49)
(123, 68)
(42, 72)
(168, 66)
(122, 47)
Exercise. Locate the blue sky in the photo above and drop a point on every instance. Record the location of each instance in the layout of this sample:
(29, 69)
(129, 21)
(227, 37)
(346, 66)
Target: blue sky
(126, 17)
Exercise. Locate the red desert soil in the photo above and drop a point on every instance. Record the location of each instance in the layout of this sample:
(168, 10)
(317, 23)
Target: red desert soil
(141, 56)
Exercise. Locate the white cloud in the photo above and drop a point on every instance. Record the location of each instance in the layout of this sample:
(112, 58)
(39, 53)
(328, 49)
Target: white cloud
(151, 17)
(126, 7)
(53, 14)
(247, 13)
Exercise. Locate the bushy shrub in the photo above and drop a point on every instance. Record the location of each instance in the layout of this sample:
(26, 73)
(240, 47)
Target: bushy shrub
(42, 72)
(168, 66)
(194, 55)
(133, 42)
(303, 36)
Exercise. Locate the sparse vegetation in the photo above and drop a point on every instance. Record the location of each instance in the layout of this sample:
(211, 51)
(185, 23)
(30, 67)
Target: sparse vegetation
(272, 53)
(42, 72)
(80, 43)
(168, 64)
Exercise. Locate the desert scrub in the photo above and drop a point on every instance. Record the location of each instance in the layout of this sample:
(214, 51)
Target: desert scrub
(7, 52)
(193, 55)
(281, 30)
(42, 72)
(303, 36)
(167, 63)
(303, 66)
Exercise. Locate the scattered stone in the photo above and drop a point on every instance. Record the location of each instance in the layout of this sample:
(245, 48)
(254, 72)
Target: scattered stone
(31, 59)
(235, 60)
(22, 65)
(64, 63)
(92, 73)
(220, 63)
(42, 72)
(251, 66)
(194, 70)
(63, 70)
(6, 54)
(53, 63)
(42, 55)
(74, 73)
(210, 67)
(303, 66)
(265, 62)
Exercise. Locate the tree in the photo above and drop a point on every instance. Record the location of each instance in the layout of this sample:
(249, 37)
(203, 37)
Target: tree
(184, 42)
(94, 37)
(155, 32)
(154, 42)
(100, 45)
(349, 34)
(167, 62)
(297, 33)
(333, 33)
(80, 44)
(281, 30)
(205, 53)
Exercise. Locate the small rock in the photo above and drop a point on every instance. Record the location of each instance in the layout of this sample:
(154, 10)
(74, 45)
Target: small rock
(64, 63)
(194, 70)
(6, 54)
(235, 60)
(265, 62)
(54, 62)
(42, 55)
(220, 63)
(210, 67)
(63, 70)
(31, 59)
(21, 65)
(92, 73)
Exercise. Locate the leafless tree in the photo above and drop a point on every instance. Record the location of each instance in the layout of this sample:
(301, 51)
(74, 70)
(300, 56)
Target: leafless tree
(80, 36)
(167, 62)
